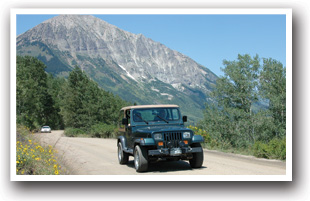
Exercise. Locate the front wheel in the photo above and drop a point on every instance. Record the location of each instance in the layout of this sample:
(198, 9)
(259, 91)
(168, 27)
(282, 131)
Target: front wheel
(140, 159)
(122, 156)
(197, 160)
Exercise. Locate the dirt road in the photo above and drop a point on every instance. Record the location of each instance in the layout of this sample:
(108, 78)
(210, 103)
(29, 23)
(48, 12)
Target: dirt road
(93, 156)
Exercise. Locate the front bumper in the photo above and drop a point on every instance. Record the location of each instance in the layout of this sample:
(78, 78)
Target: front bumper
(173, 152)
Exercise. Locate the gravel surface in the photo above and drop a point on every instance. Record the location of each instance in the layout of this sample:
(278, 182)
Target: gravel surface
(95, 156)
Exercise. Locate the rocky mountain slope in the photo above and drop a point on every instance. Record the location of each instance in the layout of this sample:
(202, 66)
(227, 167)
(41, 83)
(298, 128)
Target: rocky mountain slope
(135, 67)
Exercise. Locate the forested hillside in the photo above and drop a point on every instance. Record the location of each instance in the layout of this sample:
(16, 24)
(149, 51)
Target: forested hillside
(76, 102)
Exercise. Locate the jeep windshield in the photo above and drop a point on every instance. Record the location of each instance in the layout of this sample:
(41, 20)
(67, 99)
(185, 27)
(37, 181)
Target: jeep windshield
(156, 115)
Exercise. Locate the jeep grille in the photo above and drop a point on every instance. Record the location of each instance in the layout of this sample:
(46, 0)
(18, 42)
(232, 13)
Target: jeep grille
(173, 137)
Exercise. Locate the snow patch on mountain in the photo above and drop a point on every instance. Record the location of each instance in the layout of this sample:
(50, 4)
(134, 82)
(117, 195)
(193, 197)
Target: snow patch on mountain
(178, 86)
(154, 89)
(169, 95)
(127, 73)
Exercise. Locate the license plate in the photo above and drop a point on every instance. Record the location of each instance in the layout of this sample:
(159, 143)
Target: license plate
(175, 151)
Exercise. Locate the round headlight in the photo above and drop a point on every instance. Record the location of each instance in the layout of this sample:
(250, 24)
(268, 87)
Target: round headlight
(186, 135)
(158, 136)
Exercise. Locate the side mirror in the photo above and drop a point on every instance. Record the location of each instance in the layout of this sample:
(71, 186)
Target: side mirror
(184, 118)
(124, 121)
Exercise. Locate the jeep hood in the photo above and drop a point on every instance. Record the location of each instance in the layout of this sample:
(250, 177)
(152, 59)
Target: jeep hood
(160, 128)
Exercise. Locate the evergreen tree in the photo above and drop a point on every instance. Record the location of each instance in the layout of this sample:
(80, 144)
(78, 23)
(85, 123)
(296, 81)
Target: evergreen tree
(55, 86)
(73, 95)
(34, 105)
(76, 102)
(85, 104)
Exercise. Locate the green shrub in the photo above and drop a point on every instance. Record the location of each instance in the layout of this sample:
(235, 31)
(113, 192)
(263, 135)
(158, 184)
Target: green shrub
(214, 143)
(103, 131)
(260, 149)
(74, 132)
(207, 138)
(275, 149)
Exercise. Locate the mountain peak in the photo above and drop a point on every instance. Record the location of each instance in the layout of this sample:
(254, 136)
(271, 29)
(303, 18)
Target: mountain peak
(140, 56)
(108, 52)
(68, 20)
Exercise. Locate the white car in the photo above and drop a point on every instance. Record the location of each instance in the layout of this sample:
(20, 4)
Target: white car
(46, 129)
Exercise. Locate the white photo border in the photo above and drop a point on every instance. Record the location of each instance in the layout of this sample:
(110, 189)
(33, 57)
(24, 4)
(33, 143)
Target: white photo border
(148, 11)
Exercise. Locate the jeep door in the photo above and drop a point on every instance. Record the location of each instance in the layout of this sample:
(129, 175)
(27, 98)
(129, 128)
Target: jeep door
(128, 129)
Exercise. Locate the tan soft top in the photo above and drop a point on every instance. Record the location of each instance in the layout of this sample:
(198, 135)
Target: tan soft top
(148, 106)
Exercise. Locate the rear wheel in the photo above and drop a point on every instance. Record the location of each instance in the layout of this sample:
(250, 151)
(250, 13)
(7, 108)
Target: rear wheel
(122, 156)
(197, 160)
(140, 159)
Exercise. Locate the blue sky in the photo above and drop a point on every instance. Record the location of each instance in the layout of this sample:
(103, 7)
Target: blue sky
(208, 39)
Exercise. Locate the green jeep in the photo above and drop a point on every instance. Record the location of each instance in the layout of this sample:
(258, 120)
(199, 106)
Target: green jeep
(152, 132)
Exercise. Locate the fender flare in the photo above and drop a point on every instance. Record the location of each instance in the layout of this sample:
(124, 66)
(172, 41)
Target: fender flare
(197, 139)
(123, 141)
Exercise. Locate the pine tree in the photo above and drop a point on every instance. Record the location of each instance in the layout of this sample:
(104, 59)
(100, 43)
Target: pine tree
(33, 102)
(85, 104)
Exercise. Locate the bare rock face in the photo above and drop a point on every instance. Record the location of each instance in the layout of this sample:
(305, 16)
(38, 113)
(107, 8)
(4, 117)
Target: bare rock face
(99, 47)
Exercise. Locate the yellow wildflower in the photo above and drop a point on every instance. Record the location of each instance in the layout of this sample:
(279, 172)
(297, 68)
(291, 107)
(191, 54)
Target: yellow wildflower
(17, 161)
(37, 159)
(56, 172)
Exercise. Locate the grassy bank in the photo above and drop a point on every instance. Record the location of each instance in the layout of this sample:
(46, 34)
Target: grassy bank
(274, 149)
(33, 158)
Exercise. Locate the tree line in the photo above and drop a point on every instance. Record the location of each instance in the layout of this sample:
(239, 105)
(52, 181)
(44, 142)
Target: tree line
(75, 102)
(235, 119)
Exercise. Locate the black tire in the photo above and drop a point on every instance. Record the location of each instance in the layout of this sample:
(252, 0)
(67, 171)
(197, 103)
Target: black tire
(140, 159)
(121, 155)
(197, 160)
